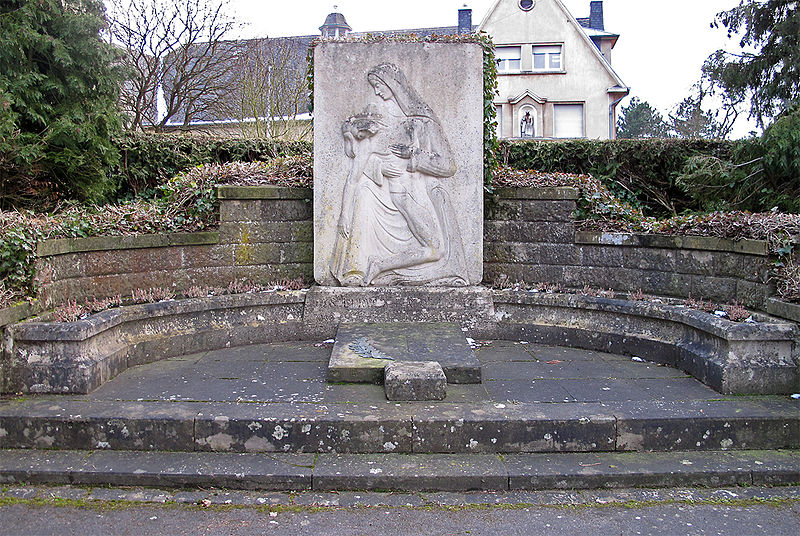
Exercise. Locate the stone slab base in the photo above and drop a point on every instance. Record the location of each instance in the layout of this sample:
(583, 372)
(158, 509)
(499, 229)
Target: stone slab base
(439, 472)
(442, 342)
(327, 307)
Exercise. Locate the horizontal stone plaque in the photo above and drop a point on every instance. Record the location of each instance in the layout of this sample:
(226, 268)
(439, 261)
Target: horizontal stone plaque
(362, 351)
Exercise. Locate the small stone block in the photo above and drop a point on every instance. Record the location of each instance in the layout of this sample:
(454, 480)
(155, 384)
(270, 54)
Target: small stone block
(415, 380)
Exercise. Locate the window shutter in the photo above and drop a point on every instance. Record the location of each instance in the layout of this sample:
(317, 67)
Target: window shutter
(568, 120)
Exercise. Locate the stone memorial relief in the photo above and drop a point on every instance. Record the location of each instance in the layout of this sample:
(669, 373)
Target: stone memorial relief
(397, 224)
(398, 194)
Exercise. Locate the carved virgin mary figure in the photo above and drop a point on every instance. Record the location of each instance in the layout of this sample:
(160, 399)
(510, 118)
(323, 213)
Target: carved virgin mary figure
(397, 225)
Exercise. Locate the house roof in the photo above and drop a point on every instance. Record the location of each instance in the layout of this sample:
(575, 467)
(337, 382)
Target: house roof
(421, 32)
(300, 45)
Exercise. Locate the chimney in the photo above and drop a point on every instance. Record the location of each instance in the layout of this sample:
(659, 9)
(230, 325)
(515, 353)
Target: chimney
(596, 15)
(464, 20)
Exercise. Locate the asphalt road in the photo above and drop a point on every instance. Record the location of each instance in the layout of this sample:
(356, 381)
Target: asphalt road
(776, 518)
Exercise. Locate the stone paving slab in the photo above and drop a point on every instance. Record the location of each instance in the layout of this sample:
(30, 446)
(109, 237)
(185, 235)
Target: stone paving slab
(708, 425)
(75, 423)
(607, 470)
(402, 472)
(303, 428)
(36, 466)
(498, 428)
(420, 427)
(455, 472)
(443, 342)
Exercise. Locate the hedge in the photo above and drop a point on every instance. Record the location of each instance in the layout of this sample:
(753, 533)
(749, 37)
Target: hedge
(643, 172)
(148, 160)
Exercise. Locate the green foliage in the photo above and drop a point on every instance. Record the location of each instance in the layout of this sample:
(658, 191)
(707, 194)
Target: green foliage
(781, 146)
(149, 159)
(17, 250)
(710, 181)
(757, 176)
(58, 94)
(491, 144)
(641, 172)
(771, 75)
(640, 120)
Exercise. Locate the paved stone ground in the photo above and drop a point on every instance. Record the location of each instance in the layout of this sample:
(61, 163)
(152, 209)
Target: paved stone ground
(295, 372)
(67, 510)
(568, 400)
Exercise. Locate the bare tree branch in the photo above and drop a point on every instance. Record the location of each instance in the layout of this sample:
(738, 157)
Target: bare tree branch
(178, 48)
(270, 89)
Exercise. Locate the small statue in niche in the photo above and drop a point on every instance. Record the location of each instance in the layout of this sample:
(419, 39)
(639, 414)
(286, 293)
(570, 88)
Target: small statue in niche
(397, 225)
(526, 128)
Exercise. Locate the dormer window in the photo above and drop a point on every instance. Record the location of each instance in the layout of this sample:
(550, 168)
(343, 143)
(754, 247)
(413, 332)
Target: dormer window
(509, 59)
(547, 58)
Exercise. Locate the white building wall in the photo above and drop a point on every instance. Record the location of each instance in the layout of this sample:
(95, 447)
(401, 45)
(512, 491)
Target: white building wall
(585, 76)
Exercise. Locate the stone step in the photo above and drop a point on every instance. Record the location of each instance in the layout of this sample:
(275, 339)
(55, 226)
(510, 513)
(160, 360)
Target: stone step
(402, 472)
(412, 427)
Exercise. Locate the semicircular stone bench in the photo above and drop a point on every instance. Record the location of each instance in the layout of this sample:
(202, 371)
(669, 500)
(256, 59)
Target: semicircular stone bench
(77, 357)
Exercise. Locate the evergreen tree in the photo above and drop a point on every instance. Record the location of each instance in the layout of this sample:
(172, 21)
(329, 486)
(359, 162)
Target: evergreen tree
(59, 91)
(640, 120)
(768, 67)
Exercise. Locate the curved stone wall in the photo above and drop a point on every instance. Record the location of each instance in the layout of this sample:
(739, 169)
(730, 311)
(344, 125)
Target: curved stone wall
(77, 357)
(531, 237)
(266, 234)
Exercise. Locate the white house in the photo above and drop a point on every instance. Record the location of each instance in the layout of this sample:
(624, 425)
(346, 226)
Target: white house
(555, 78)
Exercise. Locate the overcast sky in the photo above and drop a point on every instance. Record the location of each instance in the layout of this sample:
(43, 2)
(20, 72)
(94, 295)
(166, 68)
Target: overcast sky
(661, 48)
(662, 44)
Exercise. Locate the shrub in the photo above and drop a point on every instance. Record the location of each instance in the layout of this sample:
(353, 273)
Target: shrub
(150, 159)
(642, 172)
(59, 86)
(758, 175)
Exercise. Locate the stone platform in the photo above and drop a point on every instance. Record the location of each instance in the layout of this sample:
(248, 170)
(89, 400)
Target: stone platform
(442, 342)
(264, 417)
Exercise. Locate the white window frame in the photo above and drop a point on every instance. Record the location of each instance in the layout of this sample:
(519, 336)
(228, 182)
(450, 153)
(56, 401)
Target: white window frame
(509, 59)
(552, 55)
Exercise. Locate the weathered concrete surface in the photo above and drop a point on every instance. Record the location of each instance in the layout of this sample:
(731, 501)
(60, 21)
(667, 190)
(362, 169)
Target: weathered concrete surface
(441, 342)
(482, 428)
(76, 424)
(327, 307)
(78, 357)
(401, 472)
(429, 108)
(302, 428)
(415, 380)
